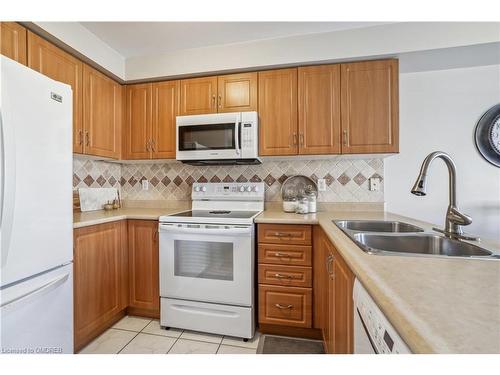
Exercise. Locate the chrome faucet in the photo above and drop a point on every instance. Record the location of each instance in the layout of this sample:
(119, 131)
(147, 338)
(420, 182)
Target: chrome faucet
(454, 218)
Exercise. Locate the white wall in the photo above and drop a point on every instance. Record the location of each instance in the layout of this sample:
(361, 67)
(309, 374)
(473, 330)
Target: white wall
(438, 111)
(82, 40)
(383, 40)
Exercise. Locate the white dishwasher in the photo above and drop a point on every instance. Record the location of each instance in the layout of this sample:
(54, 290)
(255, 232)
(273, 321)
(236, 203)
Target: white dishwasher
(373, 334)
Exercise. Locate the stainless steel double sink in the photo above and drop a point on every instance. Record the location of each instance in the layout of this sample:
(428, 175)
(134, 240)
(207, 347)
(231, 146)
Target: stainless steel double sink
(398, 238)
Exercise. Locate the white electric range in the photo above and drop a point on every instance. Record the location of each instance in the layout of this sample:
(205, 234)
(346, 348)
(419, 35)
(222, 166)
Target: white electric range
(207, 260)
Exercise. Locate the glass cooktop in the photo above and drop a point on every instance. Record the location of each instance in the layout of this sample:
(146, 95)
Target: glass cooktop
(223, 214)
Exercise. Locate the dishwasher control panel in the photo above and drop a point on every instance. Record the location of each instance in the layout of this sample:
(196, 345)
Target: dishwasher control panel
(382, 335)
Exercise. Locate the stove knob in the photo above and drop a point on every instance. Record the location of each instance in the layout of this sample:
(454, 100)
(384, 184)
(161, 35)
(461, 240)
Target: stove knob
(256, 188)
(242, 189)
(249, 189)
(203, 189)
(196, 188)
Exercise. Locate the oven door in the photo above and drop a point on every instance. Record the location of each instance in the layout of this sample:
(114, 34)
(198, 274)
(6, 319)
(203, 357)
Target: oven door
(209, 263)
(205, 137)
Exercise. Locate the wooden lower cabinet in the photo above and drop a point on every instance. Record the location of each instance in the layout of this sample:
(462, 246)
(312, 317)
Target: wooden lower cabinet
(100, 279)
(143, 253)
(285, 306)
(333, 305)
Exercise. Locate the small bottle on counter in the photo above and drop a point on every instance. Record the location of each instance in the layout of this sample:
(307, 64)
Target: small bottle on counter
(312, 201)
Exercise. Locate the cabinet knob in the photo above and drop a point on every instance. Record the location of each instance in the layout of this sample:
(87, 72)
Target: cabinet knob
(213, 100)
(220, 101)
(280, 306)
(87, 139)
(345, 137)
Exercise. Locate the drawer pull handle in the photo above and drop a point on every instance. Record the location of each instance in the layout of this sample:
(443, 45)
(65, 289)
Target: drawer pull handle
(280, 276)
(283, 255)
(284, 234)
(280, 306)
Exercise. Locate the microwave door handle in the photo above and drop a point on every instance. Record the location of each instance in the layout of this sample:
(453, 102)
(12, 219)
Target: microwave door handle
(237, 137)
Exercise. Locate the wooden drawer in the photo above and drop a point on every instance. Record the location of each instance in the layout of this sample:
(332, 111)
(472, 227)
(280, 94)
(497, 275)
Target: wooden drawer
(285, 254)
(285, 234)
(285, 306)
(285, 275)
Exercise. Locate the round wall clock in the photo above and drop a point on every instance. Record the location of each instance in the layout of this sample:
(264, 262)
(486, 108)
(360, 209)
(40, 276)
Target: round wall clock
(487, 135)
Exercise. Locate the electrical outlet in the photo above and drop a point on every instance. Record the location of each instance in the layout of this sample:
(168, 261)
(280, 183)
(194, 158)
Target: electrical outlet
(321, 184)
(374, 184)
(145, 184)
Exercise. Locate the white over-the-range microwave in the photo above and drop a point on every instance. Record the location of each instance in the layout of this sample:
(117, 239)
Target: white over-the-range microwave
(217, 139)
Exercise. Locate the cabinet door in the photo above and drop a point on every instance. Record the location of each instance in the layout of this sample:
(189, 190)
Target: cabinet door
(370, 107)
(165, 108)
(102, 114)
(13, 41)
(53, 62)
(320, 280)
(198, 96)
(100, 279)
(138, 136)
(144, 266)
(319, 109)
(343, 307)
(237, 92)
(278, 112)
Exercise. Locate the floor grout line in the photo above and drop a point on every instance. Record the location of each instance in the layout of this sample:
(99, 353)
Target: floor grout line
(137, 334)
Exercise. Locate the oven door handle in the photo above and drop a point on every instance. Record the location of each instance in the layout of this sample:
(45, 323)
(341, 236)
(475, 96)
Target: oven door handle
(204, 230)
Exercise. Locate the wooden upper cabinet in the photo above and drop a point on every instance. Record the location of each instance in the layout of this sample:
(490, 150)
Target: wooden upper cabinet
(165, 109)
(369, 103)
(53, 62)
(138, 127)
(319, 109)
(13, 41)
(237, 92)
(278, 112)
(144, 266)
(102, 114)
(100, 279)
(198, 96)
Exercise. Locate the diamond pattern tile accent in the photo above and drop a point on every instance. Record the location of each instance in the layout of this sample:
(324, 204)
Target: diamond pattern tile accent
(154, 181)
(132, 181)
(269, 180)
(255, 178)
(189, 180)
(165, 181)
(329, 179)
(76, 180)
(112, 181)
(101, 180)
(228, 179)
(343, 179)
(177, 180)
(88, 180)
(282, 178)
(241, 178)
(122, 181)
(215, 179)
(359, 179)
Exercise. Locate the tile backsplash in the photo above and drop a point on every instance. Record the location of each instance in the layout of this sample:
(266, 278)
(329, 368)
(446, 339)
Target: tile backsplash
(346, 179)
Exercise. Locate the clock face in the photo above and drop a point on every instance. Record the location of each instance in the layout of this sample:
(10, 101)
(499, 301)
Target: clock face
(495, 135)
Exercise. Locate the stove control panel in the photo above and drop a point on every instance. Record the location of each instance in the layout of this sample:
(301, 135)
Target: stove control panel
(228, 191)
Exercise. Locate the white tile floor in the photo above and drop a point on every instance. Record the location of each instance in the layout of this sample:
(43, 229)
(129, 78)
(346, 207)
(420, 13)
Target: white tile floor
(135, 335)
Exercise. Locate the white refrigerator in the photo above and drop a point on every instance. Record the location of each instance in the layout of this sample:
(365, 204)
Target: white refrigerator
(36, 222)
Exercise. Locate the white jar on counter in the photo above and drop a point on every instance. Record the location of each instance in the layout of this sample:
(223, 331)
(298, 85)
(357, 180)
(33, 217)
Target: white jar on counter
(289, 204)
(302, 206)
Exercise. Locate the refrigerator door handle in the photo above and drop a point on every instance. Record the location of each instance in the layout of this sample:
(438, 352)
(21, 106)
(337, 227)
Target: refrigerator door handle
(8, 188)
(52, 284)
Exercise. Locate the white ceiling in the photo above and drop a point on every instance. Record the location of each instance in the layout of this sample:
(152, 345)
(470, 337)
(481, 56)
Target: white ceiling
(132, 39)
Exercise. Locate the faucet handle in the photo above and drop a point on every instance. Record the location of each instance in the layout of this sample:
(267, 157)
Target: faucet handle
(457, 217)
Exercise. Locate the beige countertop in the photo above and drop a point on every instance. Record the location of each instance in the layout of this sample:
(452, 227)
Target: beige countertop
(438, 305)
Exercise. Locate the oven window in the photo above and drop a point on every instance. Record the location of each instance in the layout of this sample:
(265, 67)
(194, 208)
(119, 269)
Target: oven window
(206, 137)
(203, 259)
